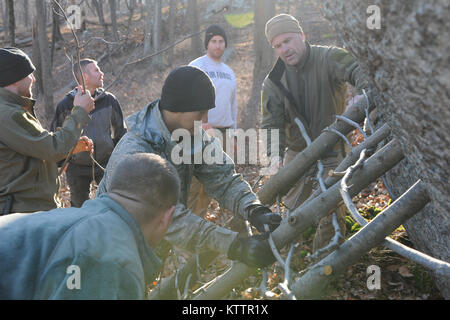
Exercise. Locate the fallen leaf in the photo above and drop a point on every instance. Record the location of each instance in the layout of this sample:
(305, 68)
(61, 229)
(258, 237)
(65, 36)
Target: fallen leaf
(393, 267)
(404, 272)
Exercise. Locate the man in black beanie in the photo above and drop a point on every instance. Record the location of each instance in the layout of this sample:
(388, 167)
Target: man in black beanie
(28, 171)
(169, 125)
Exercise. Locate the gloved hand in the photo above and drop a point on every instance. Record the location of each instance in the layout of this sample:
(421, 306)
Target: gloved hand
(259, 215)
(253, 251)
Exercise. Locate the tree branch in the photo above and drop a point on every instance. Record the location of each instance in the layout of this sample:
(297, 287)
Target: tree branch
(313, 283)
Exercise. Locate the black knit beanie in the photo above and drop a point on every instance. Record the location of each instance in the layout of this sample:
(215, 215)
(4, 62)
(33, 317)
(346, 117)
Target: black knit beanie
(15, 65)
(214, 30)
(187, 89)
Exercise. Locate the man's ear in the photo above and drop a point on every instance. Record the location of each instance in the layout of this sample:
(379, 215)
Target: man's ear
(303, 36)
(167, 217)
(85, 74)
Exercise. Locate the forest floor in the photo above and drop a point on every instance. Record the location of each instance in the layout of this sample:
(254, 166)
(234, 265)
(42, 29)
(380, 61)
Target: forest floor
(141, 83)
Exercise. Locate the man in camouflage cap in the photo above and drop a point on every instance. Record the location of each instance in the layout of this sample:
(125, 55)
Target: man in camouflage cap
(307, 82)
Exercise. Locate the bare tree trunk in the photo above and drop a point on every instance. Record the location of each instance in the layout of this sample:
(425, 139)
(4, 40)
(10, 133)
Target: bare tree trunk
(422, 130)
(142, 7)
(113, 9)
(47, 79)
(131, 7)
(157, 61)
(157, 25)
(56, 35)
(26, 14)
(11, 23)
(4, 12)
(36, 54)
(172, 12)
(264, 58)
(194, 26)
(148, 27)
(101, 17)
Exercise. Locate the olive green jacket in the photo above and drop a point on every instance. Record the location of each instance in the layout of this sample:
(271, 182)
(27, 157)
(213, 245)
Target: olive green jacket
(321, 80)
(28, 153)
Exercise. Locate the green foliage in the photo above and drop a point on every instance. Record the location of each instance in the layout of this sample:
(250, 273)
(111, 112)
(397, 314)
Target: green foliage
(328, 36)
(349, 222)
(351, 225)
(309, 232)
(422, 278)
(355, 228)
(302, 253)
(370, 212)
(240, 20)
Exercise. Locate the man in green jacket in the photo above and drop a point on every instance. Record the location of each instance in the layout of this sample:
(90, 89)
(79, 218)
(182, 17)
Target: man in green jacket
(29, 153)
(102, 250)
(308, 83)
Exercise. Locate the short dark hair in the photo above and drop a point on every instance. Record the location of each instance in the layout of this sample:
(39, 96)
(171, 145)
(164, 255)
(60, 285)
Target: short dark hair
(83, 64)
(150, 178)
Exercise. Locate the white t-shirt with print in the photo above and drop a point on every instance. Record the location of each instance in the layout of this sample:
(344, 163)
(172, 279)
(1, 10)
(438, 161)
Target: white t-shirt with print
(225, 113)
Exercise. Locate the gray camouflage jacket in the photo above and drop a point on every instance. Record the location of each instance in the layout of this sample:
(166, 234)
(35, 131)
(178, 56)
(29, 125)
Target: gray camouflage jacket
(148, 133)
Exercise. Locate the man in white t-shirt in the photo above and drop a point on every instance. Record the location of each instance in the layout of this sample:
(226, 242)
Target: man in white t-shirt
(223, 116)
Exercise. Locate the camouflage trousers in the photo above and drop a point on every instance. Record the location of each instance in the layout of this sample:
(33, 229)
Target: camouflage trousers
(303, 189)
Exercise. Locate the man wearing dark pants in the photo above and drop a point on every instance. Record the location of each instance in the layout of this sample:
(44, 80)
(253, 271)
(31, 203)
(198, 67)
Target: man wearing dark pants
(105, 130)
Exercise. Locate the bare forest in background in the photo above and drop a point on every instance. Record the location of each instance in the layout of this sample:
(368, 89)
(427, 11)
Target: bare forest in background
(138, 42)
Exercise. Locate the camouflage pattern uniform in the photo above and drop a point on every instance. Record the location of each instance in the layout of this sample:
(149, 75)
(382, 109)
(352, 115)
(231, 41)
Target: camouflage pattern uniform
(148, 133)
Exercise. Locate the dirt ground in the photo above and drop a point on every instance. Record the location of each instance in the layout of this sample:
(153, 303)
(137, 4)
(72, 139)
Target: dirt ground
(141, 83)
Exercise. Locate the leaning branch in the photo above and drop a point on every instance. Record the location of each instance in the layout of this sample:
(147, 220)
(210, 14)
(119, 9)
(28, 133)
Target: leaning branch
(313, 283)
(309, 214)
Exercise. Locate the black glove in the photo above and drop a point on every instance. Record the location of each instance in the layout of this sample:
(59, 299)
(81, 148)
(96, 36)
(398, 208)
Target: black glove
(259, 215)
(253, 251)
